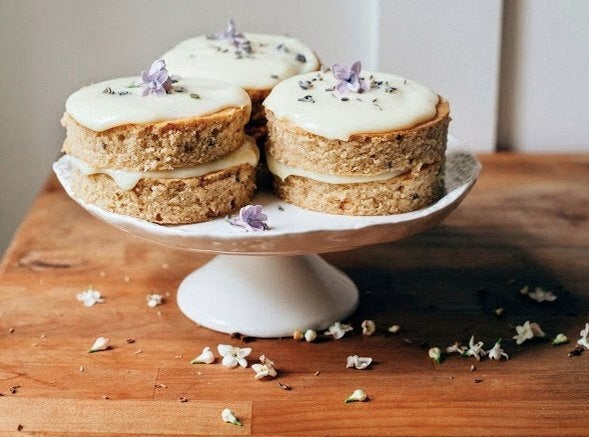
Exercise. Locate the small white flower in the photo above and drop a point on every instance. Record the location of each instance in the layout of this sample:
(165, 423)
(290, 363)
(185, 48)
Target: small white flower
(584, 340)
(541, 295)
(560, 339)
(266, 368)
(310, 336)
(101, 344)
(232, 356)
(496, 352)
(298, 335)
(474, 350)
(338, 330)
(359, 395)
(368, 327)
(435, 354)
(205, 357)
(228, 416)
(527, 332)
(394, 329)
(154, 300)
(456, 348)
(536, 330)
(358, 362)
(90, 297)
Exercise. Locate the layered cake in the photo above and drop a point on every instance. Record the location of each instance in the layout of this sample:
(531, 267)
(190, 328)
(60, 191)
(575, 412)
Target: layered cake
(346, 141)
(161, 148)
(253, 61)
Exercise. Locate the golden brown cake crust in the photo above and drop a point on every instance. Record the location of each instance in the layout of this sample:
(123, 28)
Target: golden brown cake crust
(362, 154)
(171, 201)
(158, 146)
(405, 193)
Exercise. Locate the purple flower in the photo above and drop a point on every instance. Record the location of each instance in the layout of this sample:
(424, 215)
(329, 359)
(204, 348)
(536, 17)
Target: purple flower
(349, 79)
(239, 41)
(157, 80)
(251, 218)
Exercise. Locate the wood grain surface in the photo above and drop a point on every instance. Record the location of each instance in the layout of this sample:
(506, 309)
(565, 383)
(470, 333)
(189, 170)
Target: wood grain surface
(525, 223)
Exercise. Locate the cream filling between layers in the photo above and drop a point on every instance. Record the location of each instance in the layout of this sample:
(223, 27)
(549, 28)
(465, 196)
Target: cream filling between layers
(248, 153)
(283, 171)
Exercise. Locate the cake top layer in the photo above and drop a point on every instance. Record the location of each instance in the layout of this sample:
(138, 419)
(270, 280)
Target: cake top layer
(354, 102)
(254, 62)
(117, 102)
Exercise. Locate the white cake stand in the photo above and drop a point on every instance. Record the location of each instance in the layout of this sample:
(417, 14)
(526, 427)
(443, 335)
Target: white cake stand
(278, 283)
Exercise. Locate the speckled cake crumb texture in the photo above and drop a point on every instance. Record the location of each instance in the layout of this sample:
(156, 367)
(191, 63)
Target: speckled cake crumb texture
(405, 193)
(158, 146)
(171, 201)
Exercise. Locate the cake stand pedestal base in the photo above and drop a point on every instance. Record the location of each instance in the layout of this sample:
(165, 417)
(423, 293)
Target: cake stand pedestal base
(267, 296)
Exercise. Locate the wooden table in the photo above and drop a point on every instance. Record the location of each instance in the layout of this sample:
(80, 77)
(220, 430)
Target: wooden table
(525, 223)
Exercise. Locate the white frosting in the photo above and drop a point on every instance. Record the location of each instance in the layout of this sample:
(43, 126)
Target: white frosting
(98, 110)
(274, 59)
(246, 154)
(283, 171)
(325, 114)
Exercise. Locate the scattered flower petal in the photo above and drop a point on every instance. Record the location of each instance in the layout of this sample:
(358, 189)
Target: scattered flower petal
(251, 218)
(474, 350)
(499, 311)
(560, 339)
(154, 300)
(541, 295)
(527, 331)
(394, 329)
(584, 341)
(90, 297)
(205, 357)
(284, 386)
(524, 290)
(310, 336)
(496, 352)
(435, 354)
(101, 344)
(359, 363)
(338, 330)
(232, 355)
(537, 330)
(368, 327)
(349, 78)
(456, 348)
(228, 416)
(266, 368)
(359, 395)
(298, 335)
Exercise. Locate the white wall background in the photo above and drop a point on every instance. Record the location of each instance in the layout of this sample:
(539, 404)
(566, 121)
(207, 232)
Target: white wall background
(50, 48)
(545, 76)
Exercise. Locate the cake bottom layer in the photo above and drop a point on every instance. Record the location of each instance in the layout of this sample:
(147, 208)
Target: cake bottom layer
(404, 193)
(171, 201)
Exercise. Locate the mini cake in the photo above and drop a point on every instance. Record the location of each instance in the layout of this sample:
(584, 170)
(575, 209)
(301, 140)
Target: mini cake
(253, 61)
(163, 150)
(348, 142)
